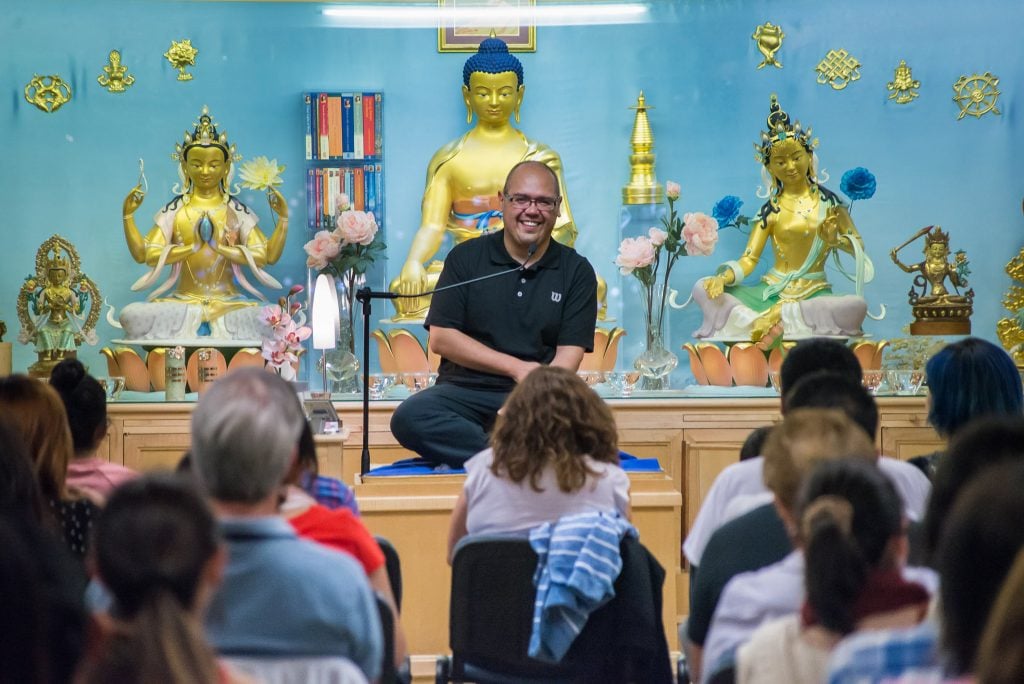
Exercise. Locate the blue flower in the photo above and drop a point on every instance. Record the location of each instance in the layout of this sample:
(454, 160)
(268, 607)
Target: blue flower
(858, 184)
(727, 209)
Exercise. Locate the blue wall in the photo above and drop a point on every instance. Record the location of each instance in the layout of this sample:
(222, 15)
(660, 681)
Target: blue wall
(67, 172)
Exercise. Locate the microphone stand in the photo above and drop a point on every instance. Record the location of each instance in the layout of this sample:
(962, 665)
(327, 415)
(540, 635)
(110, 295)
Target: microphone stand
(365, 295)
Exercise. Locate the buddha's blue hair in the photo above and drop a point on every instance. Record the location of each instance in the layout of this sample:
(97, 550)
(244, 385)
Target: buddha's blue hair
(492, 57)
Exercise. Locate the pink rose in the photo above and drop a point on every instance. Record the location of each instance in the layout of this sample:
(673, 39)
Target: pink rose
(634, 253)
(355, 228)
(672, 190)
(657, 236)
(700, 232)
(321, 249)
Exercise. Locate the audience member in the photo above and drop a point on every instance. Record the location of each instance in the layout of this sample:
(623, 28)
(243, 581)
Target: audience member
(339, 529)
(983, 443)
(86, 406)
(978, 547)
(966, 380)
(1001, 652)
(554, 453)
(157, 550)
(851, 529)
(805, 438)
(758, 538)
(35, 409)
(328, 491)
(245, 432)
(42, 623)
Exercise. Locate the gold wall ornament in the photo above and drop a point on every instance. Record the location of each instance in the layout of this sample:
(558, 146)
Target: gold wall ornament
(181, 54)
(769, 39)
(838, 69)
(976, 95)
(936, 310)
(49, 93)
(58, 307)
(643, 186)
(115, 77)
(903, 85)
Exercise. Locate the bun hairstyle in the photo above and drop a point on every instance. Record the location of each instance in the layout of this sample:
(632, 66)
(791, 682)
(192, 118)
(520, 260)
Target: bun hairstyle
(848, 512)
(85, 403)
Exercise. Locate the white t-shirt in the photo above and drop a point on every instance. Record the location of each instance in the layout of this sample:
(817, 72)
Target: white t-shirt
(496, 505)
(742, 482)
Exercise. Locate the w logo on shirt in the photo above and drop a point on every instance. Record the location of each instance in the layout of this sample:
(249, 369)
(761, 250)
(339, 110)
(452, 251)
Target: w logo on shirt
(556, 296)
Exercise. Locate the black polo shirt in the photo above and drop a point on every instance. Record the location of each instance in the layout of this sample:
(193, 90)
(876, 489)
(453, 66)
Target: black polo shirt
(526, 314)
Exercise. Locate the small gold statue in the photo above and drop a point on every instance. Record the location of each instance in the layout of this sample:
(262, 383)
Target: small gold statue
(48, 93)
(181, 54)
(936, 311)
(52, 303)
(1011, 329)
(903, 85)
(115, 76)
(769, 39)
(465, 177)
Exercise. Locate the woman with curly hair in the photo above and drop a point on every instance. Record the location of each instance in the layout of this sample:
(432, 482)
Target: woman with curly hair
(554, 452)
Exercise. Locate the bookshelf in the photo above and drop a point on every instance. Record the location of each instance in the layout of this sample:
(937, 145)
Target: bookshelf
(344, 153)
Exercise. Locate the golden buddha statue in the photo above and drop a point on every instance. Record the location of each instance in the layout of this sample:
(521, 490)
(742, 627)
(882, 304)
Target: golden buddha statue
(804, 223)
(466, 176)
(206, 237)
(937, 311)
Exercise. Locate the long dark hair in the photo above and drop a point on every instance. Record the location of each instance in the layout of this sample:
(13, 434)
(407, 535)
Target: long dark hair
(849, 512)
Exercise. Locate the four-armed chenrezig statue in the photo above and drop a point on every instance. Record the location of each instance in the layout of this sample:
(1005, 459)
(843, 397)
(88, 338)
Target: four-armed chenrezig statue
(208, 239)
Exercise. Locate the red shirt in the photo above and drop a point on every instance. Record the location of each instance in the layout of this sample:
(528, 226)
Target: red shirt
(339, 529)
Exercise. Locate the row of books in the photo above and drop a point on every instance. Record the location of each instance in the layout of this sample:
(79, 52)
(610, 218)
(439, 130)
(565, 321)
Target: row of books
(364, 185)
(343, 126)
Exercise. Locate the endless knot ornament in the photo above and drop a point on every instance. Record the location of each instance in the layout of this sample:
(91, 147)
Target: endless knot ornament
(181, 54)
(115, 76)
(49, 93)
(769, 39)
(903, 86)
(838, 69)
(976, 95)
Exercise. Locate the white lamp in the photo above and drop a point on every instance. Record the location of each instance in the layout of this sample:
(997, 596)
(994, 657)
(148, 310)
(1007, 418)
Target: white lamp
(324, 320)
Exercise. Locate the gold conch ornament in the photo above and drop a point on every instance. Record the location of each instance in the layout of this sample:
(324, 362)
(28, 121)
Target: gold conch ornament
(49, 93)
(181, 54)
(115, 76)
(976, 95)
(903, 86)
(838, 69)
(643, 187)
(769, 39)
(52, 305)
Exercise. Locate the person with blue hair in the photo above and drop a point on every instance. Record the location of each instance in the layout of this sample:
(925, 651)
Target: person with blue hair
(966, 380)
(465, 177)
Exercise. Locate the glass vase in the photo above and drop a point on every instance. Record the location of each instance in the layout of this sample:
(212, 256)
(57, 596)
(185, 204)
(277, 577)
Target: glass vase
(656, 362)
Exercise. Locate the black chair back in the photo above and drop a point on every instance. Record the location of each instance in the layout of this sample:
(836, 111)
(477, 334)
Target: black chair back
(394, 568)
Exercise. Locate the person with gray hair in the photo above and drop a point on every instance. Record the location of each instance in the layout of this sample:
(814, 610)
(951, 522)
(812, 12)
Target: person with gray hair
(245, 435)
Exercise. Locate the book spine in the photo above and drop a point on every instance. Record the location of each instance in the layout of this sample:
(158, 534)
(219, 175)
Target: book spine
(319, 199)
(378, 123)
(347, 127)
(334, 126)
(358, 189)
(310, 200)
(309, 128)
(314, 123)
(378, 180)
(369, 128)
(357, 126)
(322, 118)
(371, 190)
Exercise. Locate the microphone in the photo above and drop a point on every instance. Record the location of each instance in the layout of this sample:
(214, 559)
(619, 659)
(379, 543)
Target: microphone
(530, 251)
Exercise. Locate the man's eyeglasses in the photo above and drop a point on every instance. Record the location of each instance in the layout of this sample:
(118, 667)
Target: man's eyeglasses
(545, 204)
